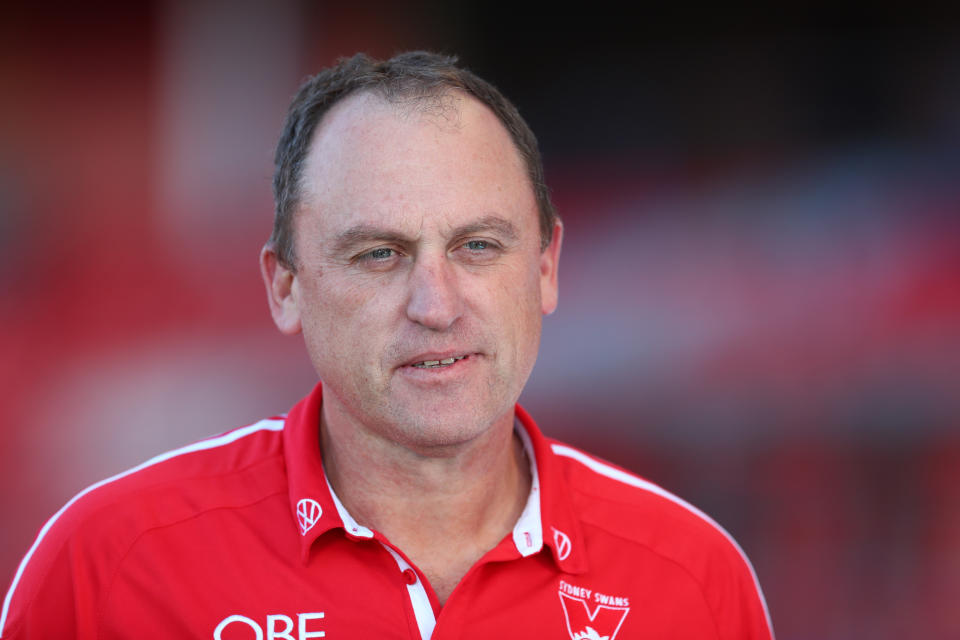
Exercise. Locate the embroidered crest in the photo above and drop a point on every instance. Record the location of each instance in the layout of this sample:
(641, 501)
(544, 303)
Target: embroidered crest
(591, 615)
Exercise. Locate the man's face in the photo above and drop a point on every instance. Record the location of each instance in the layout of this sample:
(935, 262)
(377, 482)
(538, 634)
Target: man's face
(420, 283)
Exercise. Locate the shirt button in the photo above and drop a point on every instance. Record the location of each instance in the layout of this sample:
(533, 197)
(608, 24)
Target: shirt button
(410, 576)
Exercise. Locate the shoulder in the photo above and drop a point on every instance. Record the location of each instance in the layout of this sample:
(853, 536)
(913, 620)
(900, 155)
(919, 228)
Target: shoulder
(633, 515)
(171, 485)
(631, 506)
(83, 542)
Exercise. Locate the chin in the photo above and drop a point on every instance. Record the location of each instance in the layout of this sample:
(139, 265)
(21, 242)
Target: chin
(430, 428)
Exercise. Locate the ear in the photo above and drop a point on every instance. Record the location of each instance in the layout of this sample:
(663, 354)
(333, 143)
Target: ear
(282, 292)
(549, 264)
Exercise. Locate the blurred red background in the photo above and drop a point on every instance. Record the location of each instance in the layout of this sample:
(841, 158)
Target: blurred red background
(760, 284)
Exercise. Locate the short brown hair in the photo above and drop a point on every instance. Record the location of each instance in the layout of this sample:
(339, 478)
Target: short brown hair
(414, 74)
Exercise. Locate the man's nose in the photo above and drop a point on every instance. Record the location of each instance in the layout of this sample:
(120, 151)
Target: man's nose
(434, 297)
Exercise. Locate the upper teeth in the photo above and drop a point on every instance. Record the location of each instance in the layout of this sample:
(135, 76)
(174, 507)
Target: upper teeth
(437, 363)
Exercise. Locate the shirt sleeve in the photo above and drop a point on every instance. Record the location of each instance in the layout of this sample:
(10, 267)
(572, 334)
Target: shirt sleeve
(734, 594)
(56, 589)
(42, 599)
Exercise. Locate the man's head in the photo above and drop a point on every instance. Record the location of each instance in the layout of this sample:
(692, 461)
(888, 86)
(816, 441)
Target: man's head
(415, 78)
(420, 269)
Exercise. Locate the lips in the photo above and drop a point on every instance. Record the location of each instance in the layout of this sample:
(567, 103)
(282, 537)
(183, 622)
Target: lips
(435, 360)
(433, 364)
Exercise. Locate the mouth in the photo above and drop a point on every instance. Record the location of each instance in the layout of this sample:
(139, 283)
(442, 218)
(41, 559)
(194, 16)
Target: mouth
(437, 364)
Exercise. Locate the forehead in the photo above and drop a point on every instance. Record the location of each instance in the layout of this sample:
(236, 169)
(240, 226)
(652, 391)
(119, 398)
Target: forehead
(418, 162)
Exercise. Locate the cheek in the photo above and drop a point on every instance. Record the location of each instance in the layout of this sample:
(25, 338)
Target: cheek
(513, 300)
(525, 289)
(336, 316)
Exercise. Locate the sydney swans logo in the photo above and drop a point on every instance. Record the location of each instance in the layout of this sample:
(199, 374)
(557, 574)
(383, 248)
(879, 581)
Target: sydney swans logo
(592, 615)
(308, 512)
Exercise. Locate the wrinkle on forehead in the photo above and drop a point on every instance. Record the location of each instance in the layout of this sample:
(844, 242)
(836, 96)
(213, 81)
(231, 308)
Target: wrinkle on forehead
(442, 109)
(349, 142)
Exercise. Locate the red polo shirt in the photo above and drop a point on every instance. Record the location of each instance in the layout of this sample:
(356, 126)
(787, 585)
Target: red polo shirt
(241, 537)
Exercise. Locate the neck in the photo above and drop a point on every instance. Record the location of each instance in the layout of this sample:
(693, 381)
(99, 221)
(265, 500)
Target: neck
(443, 508)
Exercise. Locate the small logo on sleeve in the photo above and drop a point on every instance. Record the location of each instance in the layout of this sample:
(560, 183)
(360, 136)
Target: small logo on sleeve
(591, 615)
(308, 512)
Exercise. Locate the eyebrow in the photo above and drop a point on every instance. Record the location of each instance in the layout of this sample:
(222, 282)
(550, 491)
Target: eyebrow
(501, 226)
(364, 233)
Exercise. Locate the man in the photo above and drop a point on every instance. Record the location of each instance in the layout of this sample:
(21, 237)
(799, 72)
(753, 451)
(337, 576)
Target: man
(416, 250)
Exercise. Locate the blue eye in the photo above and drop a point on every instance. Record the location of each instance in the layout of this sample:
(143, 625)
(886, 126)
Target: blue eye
(381, 253)
(476, 245)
